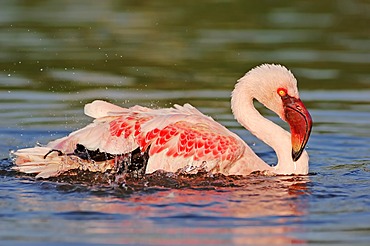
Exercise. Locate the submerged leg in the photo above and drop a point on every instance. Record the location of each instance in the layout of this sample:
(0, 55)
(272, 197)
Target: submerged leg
(60, 153)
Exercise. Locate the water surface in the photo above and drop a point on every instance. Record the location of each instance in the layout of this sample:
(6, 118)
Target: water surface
(56, 56)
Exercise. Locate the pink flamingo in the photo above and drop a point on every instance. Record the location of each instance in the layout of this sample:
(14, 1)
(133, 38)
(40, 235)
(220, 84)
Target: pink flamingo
(183, 137)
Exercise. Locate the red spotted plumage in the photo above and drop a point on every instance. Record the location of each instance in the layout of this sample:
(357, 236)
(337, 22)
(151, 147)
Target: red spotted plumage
(187, 139)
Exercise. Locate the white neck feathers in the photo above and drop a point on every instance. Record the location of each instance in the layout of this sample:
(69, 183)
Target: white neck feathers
(273, 135)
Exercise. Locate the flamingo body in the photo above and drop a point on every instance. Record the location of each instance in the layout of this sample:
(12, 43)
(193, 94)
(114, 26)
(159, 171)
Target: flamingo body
(173, 138)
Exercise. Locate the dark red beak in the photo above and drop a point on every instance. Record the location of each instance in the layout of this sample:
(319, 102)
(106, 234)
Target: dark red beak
(300, 122)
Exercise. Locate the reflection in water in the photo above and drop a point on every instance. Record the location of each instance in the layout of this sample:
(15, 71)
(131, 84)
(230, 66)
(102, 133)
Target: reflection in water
(176, 209)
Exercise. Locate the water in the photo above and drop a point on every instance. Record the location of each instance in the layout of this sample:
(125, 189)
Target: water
(56, 56)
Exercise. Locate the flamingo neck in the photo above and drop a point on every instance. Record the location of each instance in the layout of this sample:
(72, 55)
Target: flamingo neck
(267, 131)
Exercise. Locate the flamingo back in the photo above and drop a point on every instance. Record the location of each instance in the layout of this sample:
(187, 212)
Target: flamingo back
(174, 137)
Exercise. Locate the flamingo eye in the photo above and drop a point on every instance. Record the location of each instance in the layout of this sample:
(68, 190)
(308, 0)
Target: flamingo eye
(282, 92)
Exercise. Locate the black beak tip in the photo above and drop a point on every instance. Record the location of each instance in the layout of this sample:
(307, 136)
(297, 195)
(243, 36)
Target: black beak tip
(296, 155)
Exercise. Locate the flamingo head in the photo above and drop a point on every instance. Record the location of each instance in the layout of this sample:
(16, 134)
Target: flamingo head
(276, 87)
(299, 120)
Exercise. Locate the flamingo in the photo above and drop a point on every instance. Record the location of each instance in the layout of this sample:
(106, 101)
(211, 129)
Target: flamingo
(182, 137)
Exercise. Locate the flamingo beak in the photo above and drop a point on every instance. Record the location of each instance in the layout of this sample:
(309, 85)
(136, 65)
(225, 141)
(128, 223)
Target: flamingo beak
(300, 122)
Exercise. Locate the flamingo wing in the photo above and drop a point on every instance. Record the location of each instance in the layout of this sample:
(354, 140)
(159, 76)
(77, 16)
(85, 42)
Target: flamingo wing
(180, 131)
(177, 134)
(174, 137)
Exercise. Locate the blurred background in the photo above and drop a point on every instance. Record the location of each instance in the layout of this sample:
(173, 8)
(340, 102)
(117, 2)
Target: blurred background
(56, 56)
